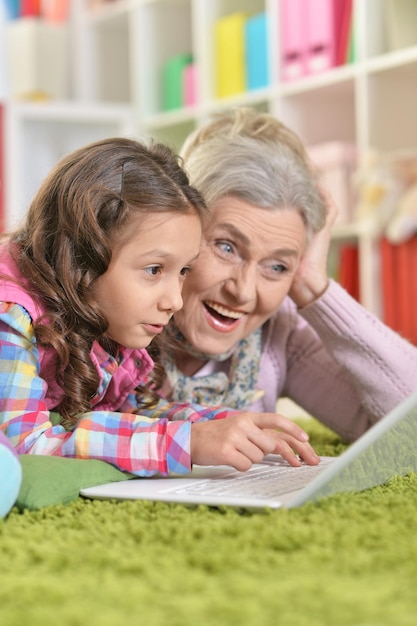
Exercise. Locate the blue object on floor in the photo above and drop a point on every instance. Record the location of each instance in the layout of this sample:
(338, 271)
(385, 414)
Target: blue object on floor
(10, 475)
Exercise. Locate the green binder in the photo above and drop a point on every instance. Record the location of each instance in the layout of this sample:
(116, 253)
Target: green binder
(172, 81)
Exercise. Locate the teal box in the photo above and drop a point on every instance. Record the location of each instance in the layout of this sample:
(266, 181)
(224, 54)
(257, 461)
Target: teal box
(256, 36)
(12, 9)
(172, 81)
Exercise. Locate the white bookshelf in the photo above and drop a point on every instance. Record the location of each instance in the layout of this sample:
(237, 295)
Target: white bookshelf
(117, 53)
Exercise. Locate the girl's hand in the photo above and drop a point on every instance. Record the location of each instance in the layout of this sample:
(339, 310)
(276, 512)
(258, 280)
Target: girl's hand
(245, 438)
(311, 278)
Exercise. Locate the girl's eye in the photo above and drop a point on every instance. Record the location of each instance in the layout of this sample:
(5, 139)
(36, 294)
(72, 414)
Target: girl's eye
(185, 270)
(153, 270)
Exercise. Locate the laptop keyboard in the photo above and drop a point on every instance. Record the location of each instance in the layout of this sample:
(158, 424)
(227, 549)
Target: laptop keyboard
(261, 482)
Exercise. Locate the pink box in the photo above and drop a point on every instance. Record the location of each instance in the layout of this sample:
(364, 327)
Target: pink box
(56, 10)
(189, 84)
(293, 21)
(321, 35)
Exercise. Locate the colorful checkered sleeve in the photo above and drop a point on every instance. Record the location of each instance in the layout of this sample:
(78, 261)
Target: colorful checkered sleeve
(173, 411)
(158, 442)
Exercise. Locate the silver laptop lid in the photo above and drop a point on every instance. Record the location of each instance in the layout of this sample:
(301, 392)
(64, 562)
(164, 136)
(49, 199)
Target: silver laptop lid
(387, 449)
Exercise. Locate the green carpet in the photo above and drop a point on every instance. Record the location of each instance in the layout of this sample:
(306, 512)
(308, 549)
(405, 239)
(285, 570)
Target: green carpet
(350, 560)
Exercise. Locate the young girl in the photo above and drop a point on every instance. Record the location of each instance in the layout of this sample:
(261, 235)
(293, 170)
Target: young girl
(92, 276)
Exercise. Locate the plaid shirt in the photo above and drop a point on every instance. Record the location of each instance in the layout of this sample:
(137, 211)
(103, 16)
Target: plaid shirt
(157, 441)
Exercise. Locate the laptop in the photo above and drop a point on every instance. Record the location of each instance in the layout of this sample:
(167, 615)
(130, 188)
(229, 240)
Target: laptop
(386, 450)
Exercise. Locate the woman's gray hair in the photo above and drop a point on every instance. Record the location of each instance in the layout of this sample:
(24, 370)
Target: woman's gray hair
(255, 157)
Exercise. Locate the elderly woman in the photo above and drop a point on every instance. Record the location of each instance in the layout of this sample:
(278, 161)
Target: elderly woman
(261, 317)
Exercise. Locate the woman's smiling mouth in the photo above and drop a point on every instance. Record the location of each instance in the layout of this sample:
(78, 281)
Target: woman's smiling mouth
(222, 318)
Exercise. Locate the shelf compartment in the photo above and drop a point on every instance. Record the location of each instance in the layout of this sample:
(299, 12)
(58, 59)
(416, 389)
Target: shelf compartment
(55, 130)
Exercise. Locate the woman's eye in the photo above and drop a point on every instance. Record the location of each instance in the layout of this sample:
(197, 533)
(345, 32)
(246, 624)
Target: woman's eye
(277, 268)
(225, 246)
(153, 270)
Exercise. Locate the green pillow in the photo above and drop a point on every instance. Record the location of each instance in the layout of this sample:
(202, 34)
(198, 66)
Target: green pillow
(50, 480)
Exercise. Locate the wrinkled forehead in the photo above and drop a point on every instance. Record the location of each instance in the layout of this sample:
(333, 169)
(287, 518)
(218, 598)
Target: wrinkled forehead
(250, 225)
(235, 209)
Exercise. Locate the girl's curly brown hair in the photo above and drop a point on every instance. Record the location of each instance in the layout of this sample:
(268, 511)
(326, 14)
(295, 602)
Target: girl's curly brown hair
(65, 244)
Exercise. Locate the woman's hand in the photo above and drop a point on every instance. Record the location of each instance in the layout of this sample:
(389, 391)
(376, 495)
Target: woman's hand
(311, 278)
(245, 438)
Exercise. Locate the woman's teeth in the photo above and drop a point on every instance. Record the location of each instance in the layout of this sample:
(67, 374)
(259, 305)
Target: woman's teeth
(225, 312)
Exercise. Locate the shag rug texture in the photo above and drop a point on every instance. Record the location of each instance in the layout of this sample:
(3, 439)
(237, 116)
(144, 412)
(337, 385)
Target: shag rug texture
(349, 560)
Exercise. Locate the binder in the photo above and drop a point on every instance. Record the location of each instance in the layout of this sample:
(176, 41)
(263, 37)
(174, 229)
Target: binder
(315, 35)
(256, 45)
(229, 38)
(56, 10)
(172, 81)
(399, 293)
(413, 289)
(352, 52)
(343, 27)
(12, 9)
(189, 85)
(404, 254)
(349, 269)
(293, 33)
(388, 286)
(30, 8)
(321, 35)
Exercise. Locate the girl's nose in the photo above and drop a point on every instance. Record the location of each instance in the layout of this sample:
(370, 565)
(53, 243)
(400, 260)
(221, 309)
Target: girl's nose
(171, 299)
